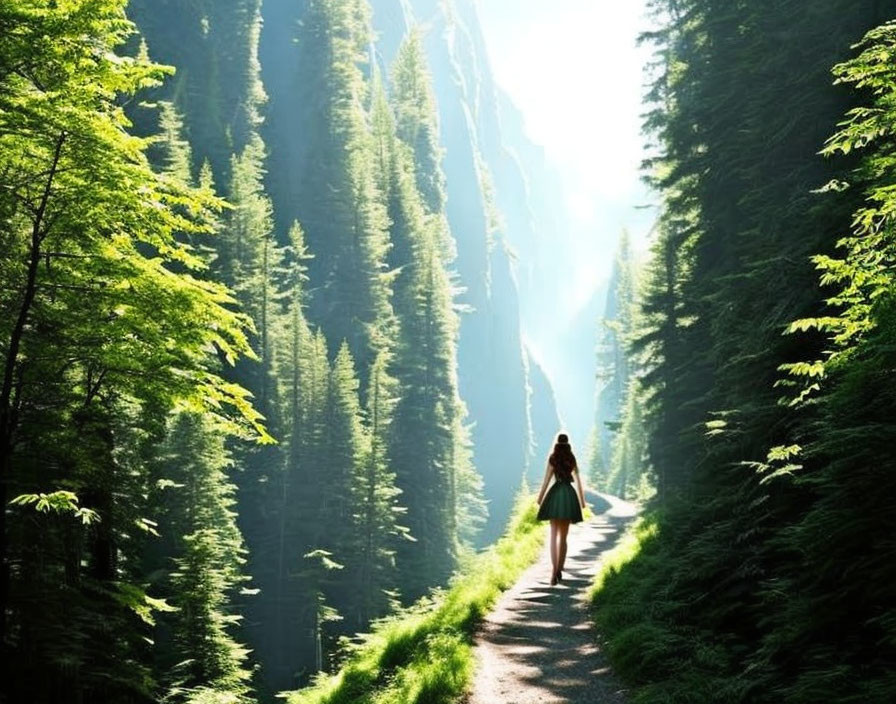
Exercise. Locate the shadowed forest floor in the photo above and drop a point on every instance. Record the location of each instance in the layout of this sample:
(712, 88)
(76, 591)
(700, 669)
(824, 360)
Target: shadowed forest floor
(538, 645)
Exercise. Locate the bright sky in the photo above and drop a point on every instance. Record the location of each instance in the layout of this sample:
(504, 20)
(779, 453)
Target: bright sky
(574, 70)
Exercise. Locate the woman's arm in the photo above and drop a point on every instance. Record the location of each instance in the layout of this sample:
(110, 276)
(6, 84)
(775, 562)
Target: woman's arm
(579, 486)
(544, 485)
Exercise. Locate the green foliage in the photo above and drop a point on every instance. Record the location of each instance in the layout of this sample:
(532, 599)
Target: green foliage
(618, 434)
(217, 86)
(95, 238)
(248, 259)
(329, 502)
(628, 475)
(341, 208)
(108, 323)
(443, 490)
(174, 151)
(862, 274)
(659, 346)
(760, 583)
(470, 505)
(649, 645)
(59, 502)
(346, 446)
(179, 374)
(847, 455)
(416, 125)
(376, 499)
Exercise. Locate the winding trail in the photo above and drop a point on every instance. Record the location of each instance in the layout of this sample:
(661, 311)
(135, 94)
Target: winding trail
(538, 645)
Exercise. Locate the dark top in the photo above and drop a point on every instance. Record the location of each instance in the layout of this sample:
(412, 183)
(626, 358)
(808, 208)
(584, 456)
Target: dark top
(564, 477)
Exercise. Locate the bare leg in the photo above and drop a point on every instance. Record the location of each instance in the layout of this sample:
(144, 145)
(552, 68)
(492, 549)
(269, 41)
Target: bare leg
(554, 523)
(562, 529)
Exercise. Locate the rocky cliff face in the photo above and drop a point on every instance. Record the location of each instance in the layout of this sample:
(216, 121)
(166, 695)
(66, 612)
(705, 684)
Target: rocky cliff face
(510, 400)
(543, 418)
(563, 337)
(488, 211)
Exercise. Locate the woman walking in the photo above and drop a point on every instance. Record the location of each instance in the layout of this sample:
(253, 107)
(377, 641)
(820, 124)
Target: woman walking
(562, 505)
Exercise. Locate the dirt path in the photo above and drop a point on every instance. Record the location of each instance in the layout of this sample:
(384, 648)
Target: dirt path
(538, 646)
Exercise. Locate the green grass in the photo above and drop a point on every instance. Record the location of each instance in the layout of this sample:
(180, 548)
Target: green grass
(423, 655)
(675, 627)
(661, 658)
(625, 551)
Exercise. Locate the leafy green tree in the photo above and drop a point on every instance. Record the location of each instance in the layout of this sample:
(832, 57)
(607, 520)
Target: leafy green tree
(108, 322)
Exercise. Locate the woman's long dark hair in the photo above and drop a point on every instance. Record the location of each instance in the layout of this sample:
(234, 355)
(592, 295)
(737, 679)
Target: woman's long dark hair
(562, 459)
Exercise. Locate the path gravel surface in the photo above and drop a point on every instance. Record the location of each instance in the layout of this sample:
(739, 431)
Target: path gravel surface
(538, 645)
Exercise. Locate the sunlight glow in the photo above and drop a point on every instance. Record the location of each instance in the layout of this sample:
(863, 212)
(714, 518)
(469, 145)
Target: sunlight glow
(574, 69)
(576, 73)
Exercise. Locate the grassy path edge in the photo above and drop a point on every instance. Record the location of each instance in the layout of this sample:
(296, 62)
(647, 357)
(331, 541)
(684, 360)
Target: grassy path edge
(423, 654)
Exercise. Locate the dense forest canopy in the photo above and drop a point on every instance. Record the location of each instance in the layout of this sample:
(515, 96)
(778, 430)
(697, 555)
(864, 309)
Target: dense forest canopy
(239, 315)
(265, 270)
(759, 363)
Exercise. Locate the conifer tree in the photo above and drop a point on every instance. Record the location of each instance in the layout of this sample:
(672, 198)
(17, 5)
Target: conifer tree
(843, 462)
(197, 516)
(629, 462)
(201, 551)
(341, 209)
(377, 499)
(425, 440)
(416, 124)
(739, 465)
(660, 350)
(470, 508)
(248, 258)
(278, 506)
(595, 462)
(345, 447)
(429, 447)
(614, 367)
(174, 155)
(217, 86)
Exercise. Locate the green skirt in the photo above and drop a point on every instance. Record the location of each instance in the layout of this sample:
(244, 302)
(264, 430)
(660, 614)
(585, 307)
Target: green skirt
(561, 502)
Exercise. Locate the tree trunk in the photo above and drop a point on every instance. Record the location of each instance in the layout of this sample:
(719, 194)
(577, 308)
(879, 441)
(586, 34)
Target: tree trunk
(7, 414)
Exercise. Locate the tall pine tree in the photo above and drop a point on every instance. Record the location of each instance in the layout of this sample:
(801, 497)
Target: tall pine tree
(341, 209)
